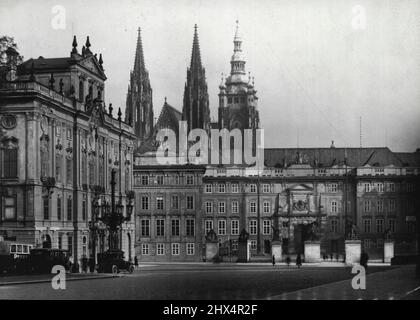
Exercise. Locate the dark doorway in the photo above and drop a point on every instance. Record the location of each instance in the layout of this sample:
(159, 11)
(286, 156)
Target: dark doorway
(47, 242)
(267, 246)
(300, 236)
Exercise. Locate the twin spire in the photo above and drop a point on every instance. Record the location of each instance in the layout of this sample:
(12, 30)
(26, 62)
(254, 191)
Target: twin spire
(139, 65)
(195, 54)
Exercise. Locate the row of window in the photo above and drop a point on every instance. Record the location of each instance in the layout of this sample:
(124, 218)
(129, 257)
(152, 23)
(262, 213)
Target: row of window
(234, 188)
(175, 249)
(380, 226)
(383, 187)
(59, 209)
(160, 203)
(160, 227)
(145, 180)
(234, 227)
(234, 207)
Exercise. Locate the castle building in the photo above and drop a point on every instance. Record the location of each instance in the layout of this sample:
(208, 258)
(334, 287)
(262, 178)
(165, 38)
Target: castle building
(139, 104)
(195, 109)
(58, 147)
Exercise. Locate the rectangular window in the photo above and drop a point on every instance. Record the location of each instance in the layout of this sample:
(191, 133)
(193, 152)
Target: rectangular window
(252, 207)
(368, 225)
(222, 227)
(70, 245)
(145, 203)
(190, 227)
(367, 243)
(9, 208)
(175, 249)
(235, 188)
(175, 202)
(266, 207)
(84, 210)
(266, 227)
(190, 179)
(145, 249)
(69, 209)
(58, 160)
(9, 168)
(392, 225)
(334, 206)
(367, 205)
(190, 249)
(334, 225)
(176, 179)
(208, 225)
(160, 248)
(159, 203)
(253, 227)
(253, 244)
(391, 187)
(145, 227)
(222, 207)
(159, 180)
(253, 188)
(380, 187)
(333, 187)
(59, 208)
(208, 188)
(175, 227)
(60, 241)
(266, 188)
(145, 180)
(160, 227)
(209, 207)
(235, 207)
(391, 205)
(379, 225)
(69, 170)
(380, 206)
(46, 207)
(367, 187)
(190, 202)
(222, 188)
(234, 227)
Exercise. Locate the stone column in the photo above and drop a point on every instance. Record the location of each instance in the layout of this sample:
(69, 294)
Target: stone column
(388, 251)
(312, 251)
(353, 250)
(276, 250)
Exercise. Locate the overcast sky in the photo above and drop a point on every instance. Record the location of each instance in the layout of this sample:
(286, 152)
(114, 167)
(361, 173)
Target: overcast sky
(318, 65)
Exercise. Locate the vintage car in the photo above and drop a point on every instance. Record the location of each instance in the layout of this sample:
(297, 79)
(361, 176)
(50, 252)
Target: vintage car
(113, 262)
(42, 260)
(14, 256)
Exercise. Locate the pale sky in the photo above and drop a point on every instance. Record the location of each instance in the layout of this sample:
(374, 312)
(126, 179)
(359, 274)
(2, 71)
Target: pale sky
(319, 65)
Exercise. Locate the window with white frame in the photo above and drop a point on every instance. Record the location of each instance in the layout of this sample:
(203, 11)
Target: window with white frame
(208, 188)
(234, 225)
(379, 187)
(334, 225)
(380, 205)
(9, 208)
(266, 227)
(145, 227)
(334, 206)
(145, 203)
(367, 205)
(222, 207)
(252, 227)
(266, 207)
(332, 187)
(190, 179)
(190, 202)
(222, 188)
(175, 227)
(209, 206)
(190, 227)
(252, 207)
(190, 249)
(145, 249)
(367, 187)
(175, 249)
(159, 203)
(222, 227)
(266, 188)
(253, 244)
(160, 249)
(159, 179)
(145, 180)
(235, 207)
(175, 202)
(208, 225)
(235, 188)
(160, 227)
(253, 188)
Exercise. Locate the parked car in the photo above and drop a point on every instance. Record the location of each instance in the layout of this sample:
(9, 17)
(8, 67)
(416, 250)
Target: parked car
(14, 256)
(42, 260)
(113, 262)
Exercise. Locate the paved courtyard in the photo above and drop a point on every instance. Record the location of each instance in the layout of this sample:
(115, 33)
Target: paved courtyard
(226, 281)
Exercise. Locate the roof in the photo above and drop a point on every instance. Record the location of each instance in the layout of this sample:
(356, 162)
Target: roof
(46, 64)
(327, 157)
(409, 159)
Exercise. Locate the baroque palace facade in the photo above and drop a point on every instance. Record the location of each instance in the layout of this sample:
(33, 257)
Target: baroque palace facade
(59, 144)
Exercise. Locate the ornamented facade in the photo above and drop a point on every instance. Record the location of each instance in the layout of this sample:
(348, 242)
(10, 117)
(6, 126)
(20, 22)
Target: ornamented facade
(58, 148)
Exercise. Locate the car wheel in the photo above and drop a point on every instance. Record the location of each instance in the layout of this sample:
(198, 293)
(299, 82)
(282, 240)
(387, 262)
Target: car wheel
(131, 269)
(114, 269)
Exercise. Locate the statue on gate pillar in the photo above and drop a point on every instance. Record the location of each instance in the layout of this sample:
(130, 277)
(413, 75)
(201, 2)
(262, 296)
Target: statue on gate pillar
(211, 236)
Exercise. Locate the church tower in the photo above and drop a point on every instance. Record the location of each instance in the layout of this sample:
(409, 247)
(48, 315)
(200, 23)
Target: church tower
(237, 96)
(196, 99)
(139, 105)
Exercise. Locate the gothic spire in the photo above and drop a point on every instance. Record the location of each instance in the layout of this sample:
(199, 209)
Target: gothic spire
(139, 58)
(195, 55)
